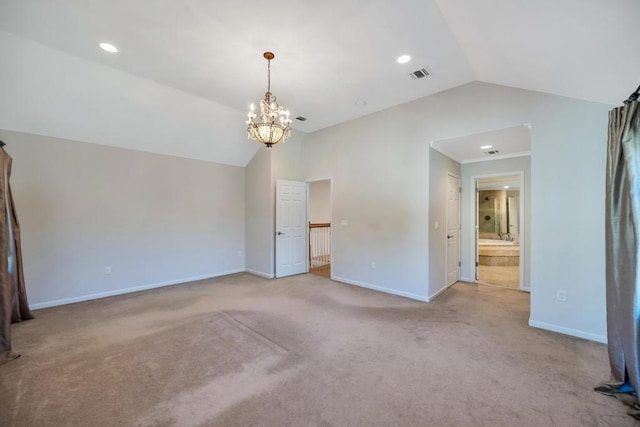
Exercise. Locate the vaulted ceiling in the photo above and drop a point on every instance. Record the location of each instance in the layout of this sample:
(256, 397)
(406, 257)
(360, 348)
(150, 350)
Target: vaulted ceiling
(332, 56)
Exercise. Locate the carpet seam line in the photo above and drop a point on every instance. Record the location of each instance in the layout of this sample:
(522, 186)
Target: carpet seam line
(253, 330)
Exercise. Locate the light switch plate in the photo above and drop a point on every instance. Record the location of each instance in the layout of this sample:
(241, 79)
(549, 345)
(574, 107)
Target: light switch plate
(344, 223)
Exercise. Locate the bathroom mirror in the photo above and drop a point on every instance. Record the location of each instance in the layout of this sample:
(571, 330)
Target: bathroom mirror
(498, 207)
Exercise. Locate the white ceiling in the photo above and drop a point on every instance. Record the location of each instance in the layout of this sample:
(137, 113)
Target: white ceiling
(510, 142)
(499, 183)
(331, 53)
(585, 49)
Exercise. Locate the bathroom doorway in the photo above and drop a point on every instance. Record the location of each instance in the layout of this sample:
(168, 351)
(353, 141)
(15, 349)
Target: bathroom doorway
(499, 225)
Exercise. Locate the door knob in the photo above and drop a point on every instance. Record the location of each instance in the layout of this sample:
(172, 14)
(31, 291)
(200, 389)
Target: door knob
(279, 233)
(449, 237)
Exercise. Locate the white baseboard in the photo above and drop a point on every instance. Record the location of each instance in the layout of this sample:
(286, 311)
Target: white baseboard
(432, 297)
(99, 295)
(568, 331)
(381, 289)
(259, 273)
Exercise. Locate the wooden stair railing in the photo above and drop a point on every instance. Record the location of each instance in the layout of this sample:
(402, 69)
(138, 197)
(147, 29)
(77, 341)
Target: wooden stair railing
(320, 248)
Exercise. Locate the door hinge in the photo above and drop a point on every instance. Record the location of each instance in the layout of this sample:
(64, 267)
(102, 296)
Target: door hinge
(459, 189)
(459, 263)
(477, 264)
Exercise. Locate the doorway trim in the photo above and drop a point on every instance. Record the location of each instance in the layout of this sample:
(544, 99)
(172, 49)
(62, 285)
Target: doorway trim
(473, 226)
(309, 181)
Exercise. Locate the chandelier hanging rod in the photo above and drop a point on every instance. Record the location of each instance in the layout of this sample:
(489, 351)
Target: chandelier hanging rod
(269, 56)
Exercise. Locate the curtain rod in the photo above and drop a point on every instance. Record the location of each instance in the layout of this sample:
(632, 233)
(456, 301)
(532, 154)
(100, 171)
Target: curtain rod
(633, 97)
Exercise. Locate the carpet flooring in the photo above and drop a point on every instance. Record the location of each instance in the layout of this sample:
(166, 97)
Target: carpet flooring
(301, 351)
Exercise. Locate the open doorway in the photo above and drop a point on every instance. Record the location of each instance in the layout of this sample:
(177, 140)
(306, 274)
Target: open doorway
(499, 225)
(320, 227)
(495, 153)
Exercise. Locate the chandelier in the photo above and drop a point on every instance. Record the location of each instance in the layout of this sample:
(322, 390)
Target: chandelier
(273, 125)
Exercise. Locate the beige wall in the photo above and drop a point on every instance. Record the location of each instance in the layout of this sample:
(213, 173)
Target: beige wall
(379, 165)
(282, 162)
(320, 201)
(439, 168)
(153, 219)
(258, 214)
(379, 174)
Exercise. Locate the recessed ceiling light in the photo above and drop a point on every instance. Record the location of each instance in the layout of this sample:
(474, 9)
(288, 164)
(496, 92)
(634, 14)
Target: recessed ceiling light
(484, 147)
(360, 103)
(403, 59)
(506, 186)
(108, 47)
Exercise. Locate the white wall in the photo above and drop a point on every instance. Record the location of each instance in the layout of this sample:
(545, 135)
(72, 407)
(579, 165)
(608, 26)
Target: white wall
(259, 242)
(494, 167)
(282, 162)
(568, 163)
(320, 201)
(380, 180)
(439, 168)
(286, 159)
(379, 185)
(154, 219)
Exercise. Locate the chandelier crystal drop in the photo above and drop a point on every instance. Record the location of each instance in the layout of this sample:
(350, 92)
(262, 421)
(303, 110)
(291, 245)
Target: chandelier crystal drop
(273, 125)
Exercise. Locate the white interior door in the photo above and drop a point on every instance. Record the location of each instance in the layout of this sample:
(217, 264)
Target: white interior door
(291, 228)
(453, 229)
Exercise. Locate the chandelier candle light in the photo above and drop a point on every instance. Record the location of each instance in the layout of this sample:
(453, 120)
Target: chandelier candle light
(274, 124)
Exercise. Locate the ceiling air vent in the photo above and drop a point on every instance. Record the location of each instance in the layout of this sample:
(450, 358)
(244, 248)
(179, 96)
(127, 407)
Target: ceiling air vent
(302, 119)
(491, 152)
(419, 74)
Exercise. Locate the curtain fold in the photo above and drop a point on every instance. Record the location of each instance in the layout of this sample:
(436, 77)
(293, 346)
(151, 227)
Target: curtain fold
(14, 306)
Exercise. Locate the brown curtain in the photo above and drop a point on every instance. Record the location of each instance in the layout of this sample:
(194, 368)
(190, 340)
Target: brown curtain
(13, 296)
(622, 249)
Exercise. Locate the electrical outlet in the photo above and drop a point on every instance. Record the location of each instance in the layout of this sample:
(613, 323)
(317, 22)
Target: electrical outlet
(562, 296)
(239, 253)
(373, 264)
(107, 270)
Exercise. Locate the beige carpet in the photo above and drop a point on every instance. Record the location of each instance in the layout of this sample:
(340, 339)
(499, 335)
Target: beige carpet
(301, 351)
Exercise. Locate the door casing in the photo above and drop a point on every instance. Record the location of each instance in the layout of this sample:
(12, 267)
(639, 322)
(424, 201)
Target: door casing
(521, 215)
